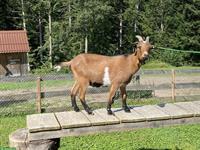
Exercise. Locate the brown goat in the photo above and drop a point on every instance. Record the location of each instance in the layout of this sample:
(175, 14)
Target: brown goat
(97, 70)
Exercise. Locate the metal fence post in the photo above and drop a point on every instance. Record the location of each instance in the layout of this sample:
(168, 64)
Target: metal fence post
(173, 85)
(38, 95)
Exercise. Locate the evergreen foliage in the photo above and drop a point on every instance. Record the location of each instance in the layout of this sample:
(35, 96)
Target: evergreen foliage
(173, 24)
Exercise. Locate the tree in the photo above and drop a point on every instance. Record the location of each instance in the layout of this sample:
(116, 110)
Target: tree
(10, 15)
(104, 27)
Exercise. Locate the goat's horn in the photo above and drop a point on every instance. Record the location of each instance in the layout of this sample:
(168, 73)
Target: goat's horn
(139, 38)
(147, 39)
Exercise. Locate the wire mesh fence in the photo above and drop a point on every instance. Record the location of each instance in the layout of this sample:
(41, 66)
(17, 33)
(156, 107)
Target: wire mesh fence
(51, 92)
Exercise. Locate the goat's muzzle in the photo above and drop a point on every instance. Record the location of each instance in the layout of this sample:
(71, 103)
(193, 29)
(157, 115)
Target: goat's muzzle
(145, 56)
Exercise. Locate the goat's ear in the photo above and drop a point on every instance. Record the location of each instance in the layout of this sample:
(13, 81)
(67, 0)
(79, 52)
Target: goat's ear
(139, 38)
(135, 52)
(135, 45)
(139, 46)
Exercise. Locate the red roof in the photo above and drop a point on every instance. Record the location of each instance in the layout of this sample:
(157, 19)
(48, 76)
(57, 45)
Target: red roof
(13, 41)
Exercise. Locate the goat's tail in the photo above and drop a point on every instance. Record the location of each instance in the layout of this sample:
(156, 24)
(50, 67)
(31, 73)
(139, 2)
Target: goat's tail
(63, 64)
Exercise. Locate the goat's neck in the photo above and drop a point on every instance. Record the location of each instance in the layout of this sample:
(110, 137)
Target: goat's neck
(135, 62)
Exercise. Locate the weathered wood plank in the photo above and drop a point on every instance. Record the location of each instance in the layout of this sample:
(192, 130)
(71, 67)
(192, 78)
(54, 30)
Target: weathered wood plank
(197, 103)
(190, 107)
(109, 128)
(174, 111)
(110, 119)
(151, 112)
(42, 122)
(133, 116)
(95, 119)
(71, 119)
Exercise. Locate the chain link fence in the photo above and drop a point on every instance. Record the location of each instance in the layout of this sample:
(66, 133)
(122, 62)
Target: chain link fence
(51, 92)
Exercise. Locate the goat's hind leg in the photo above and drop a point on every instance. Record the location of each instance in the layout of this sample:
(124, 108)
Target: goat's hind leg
(82, 93)
(73, 96)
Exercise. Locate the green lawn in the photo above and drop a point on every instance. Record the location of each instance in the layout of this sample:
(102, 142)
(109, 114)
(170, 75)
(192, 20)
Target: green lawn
(184, 137)
(65, 103)
(8, 125)
(32, 84)
(157, 65)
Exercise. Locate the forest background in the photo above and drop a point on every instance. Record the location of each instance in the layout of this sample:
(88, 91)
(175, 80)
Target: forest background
(60, 29)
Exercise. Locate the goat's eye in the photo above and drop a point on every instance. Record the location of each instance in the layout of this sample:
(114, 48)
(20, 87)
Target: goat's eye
(139, 46)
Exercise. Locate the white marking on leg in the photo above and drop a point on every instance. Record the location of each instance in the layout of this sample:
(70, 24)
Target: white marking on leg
(106, 78)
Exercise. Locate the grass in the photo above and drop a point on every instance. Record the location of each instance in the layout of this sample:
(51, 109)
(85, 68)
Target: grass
(157, 65)
(64, 103)
(32, 84)
(17, 85)
(184, 137)
(9, 125)
(20, 108)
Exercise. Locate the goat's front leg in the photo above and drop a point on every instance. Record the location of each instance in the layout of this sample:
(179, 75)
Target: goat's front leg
(113, 89)
(124, 96)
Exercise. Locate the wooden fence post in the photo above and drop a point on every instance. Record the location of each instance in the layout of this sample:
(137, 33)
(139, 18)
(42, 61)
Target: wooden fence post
(173, 85)
(38, 95)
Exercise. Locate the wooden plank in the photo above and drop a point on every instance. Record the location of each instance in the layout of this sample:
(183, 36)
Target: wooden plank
(110, 119)
(95, 119)
(197, 103)
(72, 119)
(42, 122)
(110, 128)
(190, 107)
(133, 116)
(174, 111)
(151, 112)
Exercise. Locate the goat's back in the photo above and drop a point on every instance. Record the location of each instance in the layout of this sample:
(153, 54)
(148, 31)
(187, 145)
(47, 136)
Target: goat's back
(92, 66)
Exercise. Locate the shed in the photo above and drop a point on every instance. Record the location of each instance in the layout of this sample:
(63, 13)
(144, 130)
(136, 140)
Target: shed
(14, 50)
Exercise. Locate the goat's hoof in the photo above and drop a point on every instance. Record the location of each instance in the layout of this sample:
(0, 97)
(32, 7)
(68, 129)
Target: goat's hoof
(76, 109)
(89, 111)
(127, 109)
(110, 112)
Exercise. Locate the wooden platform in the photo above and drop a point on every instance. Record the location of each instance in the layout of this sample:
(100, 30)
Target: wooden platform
(62, 124)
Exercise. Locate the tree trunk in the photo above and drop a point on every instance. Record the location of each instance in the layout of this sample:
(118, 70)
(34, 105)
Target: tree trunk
(86, 44)
(23, 15)
(70, 18)
(50, 40)
(136, 8)
(162, 17)
(120, 31)
(40, 30)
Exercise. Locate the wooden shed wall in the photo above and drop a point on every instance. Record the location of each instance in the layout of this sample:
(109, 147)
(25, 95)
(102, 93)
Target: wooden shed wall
(6, 64)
